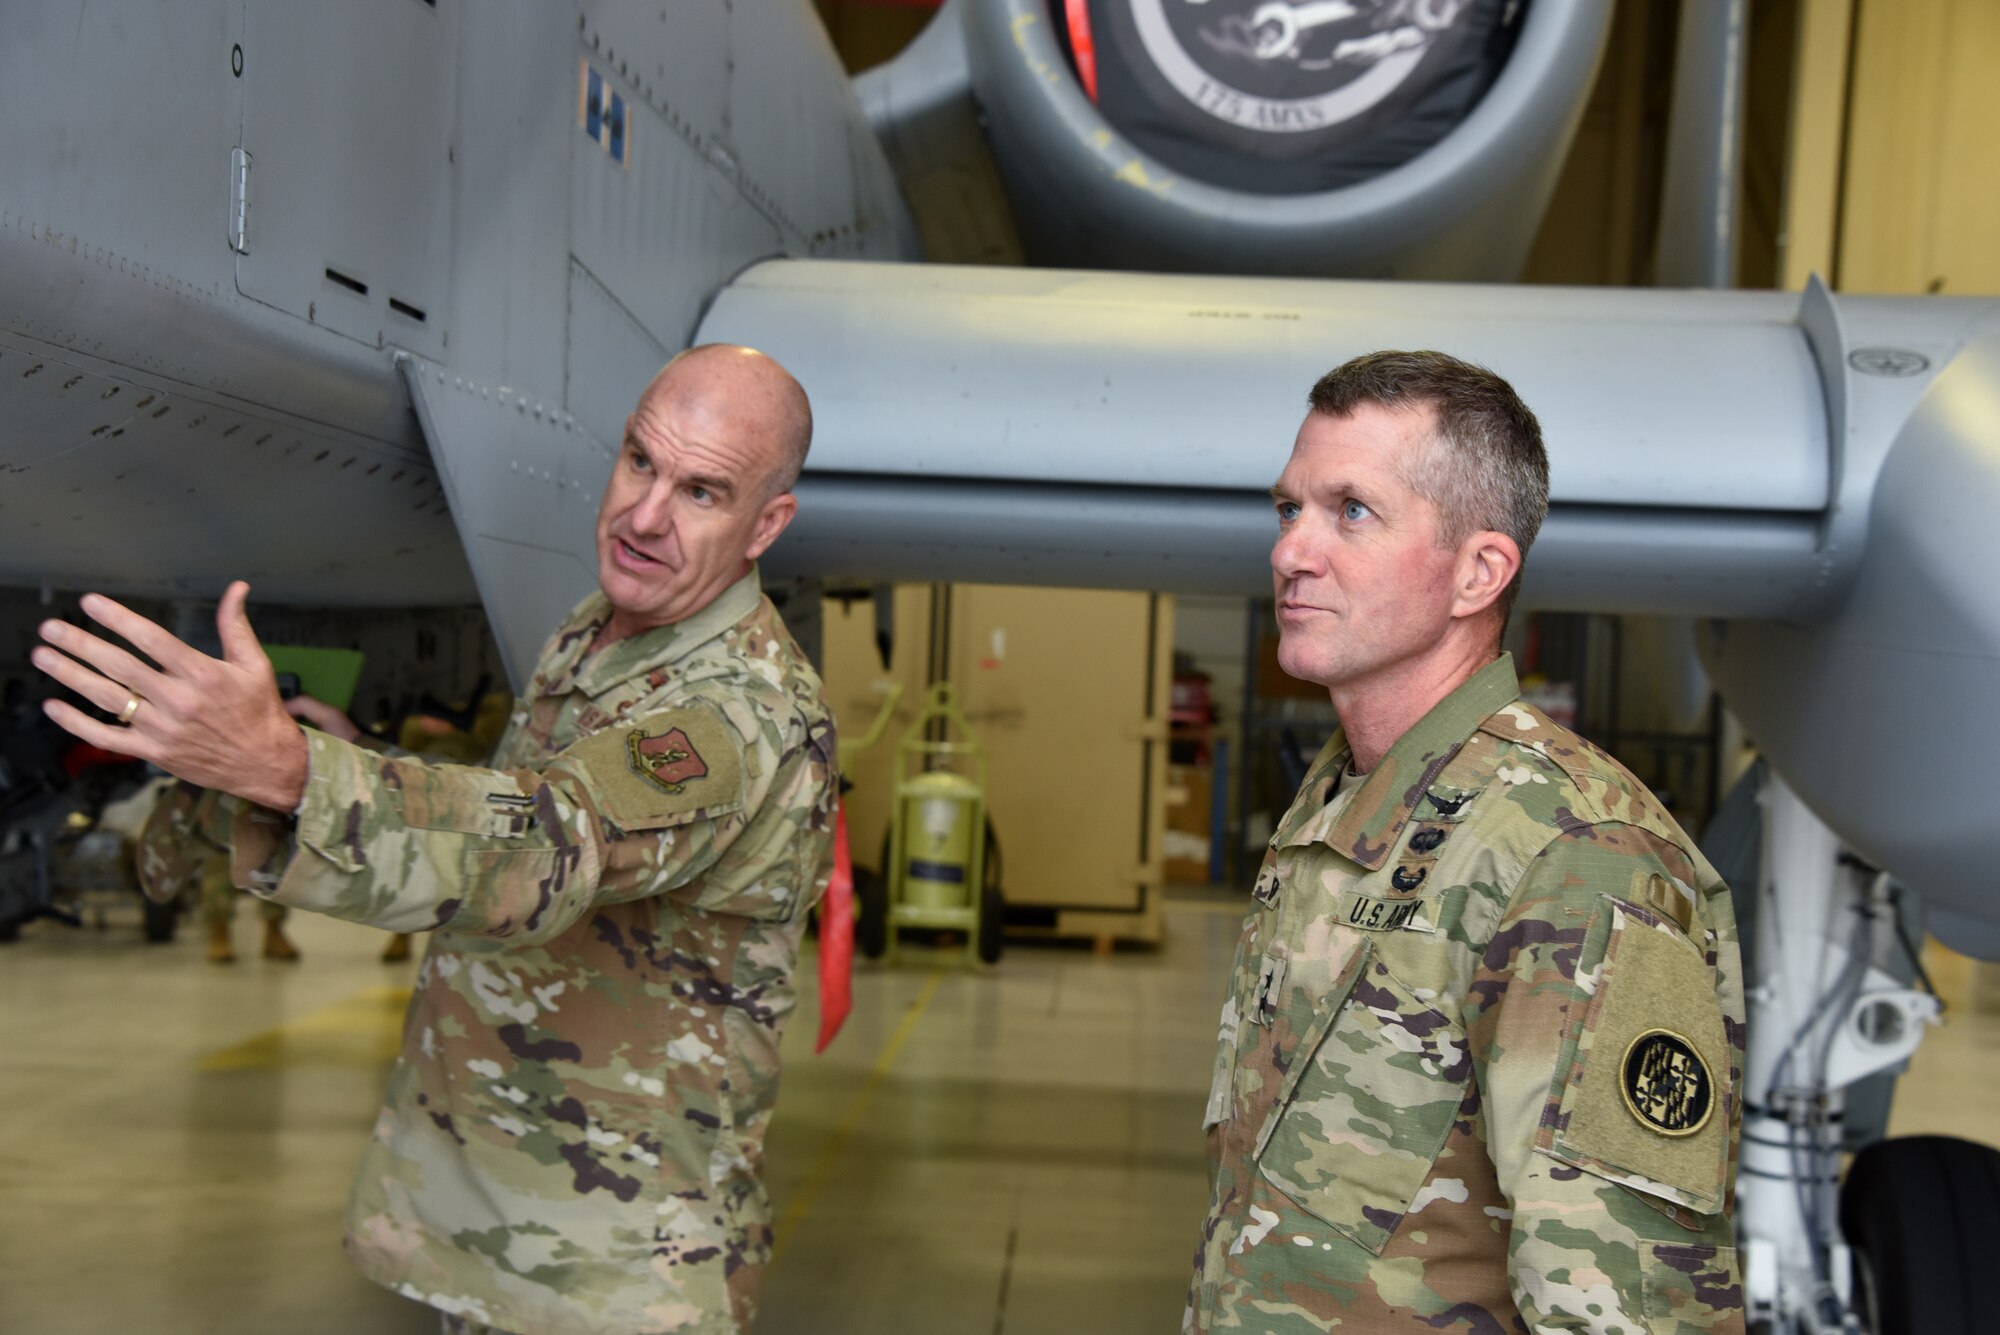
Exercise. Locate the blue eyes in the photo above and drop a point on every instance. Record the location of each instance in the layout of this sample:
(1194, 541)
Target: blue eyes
(1353, 512)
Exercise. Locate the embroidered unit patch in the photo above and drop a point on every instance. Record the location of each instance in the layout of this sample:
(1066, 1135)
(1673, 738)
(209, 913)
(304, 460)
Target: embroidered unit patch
(668, 761)
(1666, 1084)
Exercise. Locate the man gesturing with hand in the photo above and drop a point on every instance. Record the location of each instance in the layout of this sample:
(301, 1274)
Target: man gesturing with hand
(572, 1139)
(218, 723)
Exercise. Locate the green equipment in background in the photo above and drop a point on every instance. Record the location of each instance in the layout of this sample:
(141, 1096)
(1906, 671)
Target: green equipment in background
(324, 674)
(938, 835)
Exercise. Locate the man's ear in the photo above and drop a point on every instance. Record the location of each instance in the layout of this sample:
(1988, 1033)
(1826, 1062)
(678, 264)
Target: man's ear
(771, 521)
(1487, 564)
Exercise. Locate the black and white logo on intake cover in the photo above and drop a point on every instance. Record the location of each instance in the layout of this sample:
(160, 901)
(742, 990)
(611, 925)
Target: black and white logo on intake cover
(1293, 96)
(1666, 1084)
(1291, 66)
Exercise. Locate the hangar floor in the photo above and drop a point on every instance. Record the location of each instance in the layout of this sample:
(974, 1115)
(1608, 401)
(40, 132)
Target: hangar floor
(1013, 1153)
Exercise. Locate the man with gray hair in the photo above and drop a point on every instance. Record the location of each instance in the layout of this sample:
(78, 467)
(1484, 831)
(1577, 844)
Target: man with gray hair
(1479, 1066)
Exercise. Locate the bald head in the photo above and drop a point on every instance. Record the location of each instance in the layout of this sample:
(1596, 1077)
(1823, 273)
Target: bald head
(745, 395)
(701, 486)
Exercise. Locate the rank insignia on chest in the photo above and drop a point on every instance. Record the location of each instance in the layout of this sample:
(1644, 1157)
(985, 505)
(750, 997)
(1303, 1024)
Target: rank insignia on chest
(1666, 1084)
(669, 761)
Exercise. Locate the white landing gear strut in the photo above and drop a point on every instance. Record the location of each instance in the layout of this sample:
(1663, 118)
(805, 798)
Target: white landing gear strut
(1821, 1017)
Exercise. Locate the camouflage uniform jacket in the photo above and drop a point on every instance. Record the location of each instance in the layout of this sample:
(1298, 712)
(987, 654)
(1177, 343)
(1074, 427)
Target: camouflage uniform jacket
(1480, 1057)
(187, 828)
(572, 1138)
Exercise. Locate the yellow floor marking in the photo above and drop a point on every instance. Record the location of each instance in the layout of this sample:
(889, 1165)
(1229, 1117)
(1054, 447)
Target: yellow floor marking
(850, 1121)
(364, 1030)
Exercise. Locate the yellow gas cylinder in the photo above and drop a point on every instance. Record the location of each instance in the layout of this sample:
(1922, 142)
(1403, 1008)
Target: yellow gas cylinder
(937, 845)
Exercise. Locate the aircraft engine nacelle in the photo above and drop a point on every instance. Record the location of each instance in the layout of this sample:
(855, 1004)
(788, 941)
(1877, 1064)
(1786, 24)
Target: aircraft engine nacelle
(1365, 139)
(1815, 477)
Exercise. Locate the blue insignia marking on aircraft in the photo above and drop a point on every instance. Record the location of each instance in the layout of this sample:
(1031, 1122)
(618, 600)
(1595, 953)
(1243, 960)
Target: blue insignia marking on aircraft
(604, 118)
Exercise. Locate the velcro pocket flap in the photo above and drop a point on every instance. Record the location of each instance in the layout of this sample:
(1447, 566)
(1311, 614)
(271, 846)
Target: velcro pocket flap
(1644, 1093)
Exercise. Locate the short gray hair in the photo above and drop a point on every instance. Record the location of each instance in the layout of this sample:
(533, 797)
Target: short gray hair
(1483, 467)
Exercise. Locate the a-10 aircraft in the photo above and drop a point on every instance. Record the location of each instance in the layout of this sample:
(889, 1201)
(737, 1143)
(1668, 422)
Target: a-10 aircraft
(350, 300)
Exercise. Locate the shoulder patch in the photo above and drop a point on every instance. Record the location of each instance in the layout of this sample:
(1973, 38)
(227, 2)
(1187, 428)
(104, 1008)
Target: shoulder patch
(661, 769)
(668, 760)
(1666, 1084)
(1646, 1065)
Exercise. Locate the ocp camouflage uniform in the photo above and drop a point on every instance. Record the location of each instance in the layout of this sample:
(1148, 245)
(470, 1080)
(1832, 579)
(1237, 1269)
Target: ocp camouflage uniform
(1480, 1060)
(186, 840)
(573, 1136)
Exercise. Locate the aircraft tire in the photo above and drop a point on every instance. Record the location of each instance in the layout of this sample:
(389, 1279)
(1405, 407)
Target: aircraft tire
(871, 913)
(1922, 1214)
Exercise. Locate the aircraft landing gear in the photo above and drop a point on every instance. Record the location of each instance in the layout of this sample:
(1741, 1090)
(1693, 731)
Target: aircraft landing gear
(1922, 1215)
(1823, 1016)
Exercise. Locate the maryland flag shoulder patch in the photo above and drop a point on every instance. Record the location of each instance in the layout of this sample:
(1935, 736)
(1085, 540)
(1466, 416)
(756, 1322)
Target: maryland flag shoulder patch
(1666, 1084)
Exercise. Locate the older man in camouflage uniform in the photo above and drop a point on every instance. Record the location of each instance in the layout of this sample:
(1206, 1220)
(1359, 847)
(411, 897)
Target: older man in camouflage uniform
(572, 1139)
(1480, 1058)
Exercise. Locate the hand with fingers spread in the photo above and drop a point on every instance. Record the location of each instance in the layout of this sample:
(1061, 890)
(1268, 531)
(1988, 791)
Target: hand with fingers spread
(218, 723)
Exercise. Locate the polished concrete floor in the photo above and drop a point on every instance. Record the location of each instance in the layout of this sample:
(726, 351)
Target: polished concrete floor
(1013, 1151)
(1005, 1153)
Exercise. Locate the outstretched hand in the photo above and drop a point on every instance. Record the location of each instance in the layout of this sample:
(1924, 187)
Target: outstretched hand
(218, 723)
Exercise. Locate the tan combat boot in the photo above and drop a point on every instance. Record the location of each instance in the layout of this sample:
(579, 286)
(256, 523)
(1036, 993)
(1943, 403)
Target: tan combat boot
(278, 946)
(220, 951)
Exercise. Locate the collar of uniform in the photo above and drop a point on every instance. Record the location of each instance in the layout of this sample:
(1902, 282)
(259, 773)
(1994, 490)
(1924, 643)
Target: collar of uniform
(619, 663)
(570, 643)
(1309, 808)
(1373, 819)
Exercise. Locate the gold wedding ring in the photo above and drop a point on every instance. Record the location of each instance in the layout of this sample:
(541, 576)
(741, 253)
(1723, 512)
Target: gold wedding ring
(125, 715)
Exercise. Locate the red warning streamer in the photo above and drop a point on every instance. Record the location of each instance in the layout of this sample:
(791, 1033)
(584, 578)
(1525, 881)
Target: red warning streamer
(836, 938)
(1082, 45)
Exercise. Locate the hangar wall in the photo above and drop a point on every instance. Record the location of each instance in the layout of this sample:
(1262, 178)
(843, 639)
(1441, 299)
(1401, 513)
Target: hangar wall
(1918, 202)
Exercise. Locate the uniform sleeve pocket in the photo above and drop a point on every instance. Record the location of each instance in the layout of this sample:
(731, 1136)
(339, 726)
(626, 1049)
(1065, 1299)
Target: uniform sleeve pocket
(1371, 1099)
(461, 801)
(1644, 1095)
